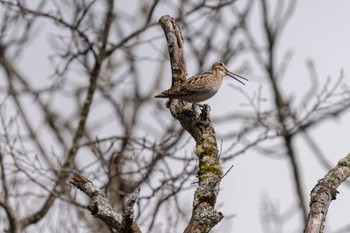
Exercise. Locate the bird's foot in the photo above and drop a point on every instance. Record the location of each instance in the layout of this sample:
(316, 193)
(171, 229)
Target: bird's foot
(205, 109)
(201, 106)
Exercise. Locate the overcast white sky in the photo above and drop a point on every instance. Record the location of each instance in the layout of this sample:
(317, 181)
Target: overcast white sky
(318, 29)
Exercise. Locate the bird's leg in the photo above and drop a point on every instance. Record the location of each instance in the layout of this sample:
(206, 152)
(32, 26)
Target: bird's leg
(194, 106)
(204, 107)
(208, 107)
(205, 111)
(201, 106)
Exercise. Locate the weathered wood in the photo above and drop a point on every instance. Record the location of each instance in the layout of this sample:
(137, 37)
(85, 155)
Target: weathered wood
(204, 216)
(102, 209)
(323, 193)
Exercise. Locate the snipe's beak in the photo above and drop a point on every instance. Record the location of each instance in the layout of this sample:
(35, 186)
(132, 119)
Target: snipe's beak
(236, 76)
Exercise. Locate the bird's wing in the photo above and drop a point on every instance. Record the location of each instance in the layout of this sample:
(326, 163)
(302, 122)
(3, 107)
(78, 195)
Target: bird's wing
(192, 85)
(199, 81)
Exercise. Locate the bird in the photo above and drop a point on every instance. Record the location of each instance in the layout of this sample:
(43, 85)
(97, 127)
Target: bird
(202, 86)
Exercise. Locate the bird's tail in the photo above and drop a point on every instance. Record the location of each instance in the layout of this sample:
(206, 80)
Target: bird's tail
(161, 95)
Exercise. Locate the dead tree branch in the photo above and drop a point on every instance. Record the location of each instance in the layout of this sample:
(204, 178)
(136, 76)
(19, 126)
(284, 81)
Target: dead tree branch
(100, 207)
(204, 216)
(323, 193)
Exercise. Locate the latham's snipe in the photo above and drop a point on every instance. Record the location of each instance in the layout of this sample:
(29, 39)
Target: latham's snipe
(201, 86)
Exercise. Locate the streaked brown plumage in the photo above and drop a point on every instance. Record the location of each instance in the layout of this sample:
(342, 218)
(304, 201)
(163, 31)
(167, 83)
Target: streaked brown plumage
(201, 86)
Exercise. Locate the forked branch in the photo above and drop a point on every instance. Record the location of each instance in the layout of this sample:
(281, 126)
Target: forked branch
(102, 209)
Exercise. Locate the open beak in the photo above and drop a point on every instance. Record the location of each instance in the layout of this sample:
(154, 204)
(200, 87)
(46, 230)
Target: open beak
(236, 76)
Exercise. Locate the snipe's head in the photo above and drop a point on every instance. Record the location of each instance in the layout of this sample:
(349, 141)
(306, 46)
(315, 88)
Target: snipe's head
(221, 68)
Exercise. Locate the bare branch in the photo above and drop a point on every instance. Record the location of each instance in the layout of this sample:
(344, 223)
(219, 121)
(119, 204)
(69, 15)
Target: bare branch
(323, 193)
(204, 216)
(100, 207)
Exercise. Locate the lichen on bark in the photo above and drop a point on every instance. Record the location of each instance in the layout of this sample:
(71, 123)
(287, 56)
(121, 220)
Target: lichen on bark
(198, 125)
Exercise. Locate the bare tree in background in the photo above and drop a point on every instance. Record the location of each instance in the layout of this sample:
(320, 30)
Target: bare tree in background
(77, 82)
